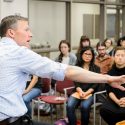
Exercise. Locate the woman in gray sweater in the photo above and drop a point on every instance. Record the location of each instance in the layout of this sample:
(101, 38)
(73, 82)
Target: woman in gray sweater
(65, 55)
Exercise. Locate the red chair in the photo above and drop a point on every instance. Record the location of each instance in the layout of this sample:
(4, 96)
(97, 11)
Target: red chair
(60, 86)
(46, 87)
(55, 99)
(64, 87)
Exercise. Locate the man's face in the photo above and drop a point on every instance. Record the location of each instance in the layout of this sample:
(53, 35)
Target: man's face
(120, 58)
(22, 34)
(101, 51)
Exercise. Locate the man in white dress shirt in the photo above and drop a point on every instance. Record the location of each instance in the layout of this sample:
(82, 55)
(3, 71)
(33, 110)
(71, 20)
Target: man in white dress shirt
(17, 61)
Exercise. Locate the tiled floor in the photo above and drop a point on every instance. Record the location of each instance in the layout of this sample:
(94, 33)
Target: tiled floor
(47, 118)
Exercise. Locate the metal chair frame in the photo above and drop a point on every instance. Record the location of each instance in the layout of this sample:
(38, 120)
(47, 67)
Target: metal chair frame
(95, 104)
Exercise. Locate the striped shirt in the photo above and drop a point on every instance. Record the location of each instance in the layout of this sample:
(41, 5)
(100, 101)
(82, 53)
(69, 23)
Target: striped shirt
(16, 63)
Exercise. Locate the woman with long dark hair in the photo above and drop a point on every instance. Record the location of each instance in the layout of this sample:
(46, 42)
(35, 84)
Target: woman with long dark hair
(83, 93)
(121, 41)
(84, 42)
(65, 55)
(109, 46)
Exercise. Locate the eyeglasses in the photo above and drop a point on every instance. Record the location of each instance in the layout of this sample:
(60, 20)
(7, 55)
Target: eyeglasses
(88, 54)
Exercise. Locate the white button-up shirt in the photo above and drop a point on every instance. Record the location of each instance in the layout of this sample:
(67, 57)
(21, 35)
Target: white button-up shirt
(16, 63)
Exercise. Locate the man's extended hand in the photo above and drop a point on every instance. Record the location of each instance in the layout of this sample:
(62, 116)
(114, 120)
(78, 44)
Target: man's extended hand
(117, 81)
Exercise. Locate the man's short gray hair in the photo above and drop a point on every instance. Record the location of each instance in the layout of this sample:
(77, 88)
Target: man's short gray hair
(10, 22)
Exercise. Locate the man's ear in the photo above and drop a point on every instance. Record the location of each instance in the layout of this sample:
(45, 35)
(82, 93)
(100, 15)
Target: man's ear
(11, 33)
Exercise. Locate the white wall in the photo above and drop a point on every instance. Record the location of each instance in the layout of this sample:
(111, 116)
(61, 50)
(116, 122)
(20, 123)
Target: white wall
(77, 19)
(14, 7)
(47, 21)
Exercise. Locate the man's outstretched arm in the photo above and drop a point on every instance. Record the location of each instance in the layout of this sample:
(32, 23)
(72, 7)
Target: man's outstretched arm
(84, 76)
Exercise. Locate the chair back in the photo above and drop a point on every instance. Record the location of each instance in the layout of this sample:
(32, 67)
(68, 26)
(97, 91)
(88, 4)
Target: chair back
(61, 85)
(102, 96)
(46, 85)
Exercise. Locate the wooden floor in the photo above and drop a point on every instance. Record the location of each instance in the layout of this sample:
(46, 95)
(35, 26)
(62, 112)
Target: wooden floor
(47, 118)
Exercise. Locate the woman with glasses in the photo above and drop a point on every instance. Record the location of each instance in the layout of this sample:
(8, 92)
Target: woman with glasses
(83, 93)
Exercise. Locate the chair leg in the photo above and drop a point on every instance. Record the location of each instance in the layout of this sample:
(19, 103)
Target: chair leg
(94, 112)
(100, 120)
(51, 113)
(38, 113)
(56, 111)
(64, 112)
(32, 109)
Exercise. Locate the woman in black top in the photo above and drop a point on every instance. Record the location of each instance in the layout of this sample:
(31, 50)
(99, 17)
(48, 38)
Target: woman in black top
(82, 95)
(113, 110)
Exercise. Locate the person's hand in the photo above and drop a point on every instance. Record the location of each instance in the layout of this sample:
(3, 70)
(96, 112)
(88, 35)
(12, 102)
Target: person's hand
(123, 98)
(25, 92)
(82, 94)
(116, 81)
(122, 102)
(85, 94)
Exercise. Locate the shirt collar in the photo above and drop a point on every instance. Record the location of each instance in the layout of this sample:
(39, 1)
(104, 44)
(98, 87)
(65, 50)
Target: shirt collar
(7, 40)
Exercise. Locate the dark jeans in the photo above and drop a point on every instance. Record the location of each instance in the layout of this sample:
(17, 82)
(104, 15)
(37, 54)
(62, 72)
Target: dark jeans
(24, 120)
(85, 106)
(110, 116)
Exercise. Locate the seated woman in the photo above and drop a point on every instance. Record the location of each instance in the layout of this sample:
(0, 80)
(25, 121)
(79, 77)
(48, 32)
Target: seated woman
(113, 110)
(32, 91)
(121, 41)
(84, 42)
(82, 94)
(109, 46)
(65, 55)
